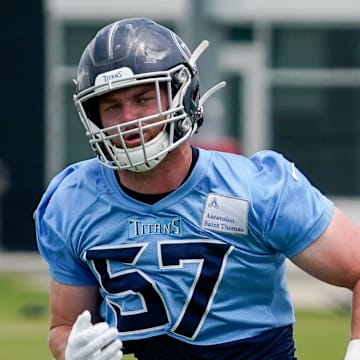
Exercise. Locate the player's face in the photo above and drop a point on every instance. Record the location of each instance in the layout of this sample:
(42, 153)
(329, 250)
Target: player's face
(124, 105)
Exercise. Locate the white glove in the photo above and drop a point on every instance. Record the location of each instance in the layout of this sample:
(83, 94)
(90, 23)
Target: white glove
(353, 350)
(96, 342)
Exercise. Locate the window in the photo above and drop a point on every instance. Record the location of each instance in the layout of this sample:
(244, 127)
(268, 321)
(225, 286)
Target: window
(318, 125)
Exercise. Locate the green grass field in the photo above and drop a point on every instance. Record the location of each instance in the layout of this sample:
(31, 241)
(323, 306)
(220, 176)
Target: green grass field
(24, 324)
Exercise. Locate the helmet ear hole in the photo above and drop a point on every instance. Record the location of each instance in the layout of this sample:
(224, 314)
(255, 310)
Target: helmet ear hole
(184, 125)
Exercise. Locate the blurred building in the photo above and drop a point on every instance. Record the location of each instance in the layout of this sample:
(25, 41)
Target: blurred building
(292, 70)
(293, 73)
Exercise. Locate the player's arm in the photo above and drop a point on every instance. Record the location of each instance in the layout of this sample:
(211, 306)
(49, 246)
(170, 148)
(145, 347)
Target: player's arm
(66, 303)
(73, 310)
(334, 258)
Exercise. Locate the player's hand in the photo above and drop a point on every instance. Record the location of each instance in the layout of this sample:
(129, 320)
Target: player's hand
(96, 342)
(353, 350)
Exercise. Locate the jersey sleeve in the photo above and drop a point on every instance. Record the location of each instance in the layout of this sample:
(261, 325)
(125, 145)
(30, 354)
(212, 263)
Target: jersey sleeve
(54, 238)
(293, 212)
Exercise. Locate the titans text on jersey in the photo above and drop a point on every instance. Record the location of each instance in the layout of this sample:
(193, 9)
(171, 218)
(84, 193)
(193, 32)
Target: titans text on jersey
(160, 226)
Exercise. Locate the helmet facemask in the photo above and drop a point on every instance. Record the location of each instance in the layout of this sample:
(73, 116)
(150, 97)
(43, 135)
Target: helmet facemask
(109, 143)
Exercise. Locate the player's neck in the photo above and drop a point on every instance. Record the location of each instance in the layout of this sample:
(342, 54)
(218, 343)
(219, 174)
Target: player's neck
(165, 177)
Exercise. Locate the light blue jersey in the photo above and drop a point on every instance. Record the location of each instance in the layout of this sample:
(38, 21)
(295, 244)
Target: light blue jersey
(205, 264)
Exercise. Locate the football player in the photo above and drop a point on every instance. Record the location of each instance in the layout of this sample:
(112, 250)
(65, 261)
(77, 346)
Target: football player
(168, 251)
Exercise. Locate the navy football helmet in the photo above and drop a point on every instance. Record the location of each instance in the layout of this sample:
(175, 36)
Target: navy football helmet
(131, 52)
